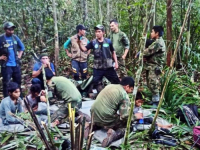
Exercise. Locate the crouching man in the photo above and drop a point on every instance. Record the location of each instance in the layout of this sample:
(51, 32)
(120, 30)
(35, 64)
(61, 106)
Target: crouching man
(66, 91)
(111, 99)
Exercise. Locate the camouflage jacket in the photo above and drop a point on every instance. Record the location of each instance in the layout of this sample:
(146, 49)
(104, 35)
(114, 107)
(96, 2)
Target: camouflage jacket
(155, 54)
(121, 44)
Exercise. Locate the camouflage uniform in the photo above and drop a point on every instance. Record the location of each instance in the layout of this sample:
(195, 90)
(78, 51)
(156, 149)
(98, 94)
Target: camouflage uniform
(120, 43)
(104, 110)
(155, 56)
(65, 92)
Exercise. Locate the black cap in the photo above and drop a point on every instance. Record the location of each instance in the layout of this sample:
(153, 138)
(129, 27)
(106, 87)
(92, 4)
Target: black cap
(99, 27)
(8, 25)
(43, 54)
(80, 27)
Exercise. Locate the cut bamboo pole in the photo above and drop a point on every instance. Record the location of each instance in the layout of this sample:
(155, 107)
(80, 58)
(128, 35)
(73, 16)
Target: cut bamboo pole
(46, 93)
(43, 137)
(89, 141)
(171, 66)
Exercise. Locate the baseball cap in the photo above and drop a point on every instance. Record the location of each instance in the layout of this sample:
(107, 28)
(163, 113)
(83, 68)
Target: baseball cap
(99, 27)
(9, 25)
(80, 27)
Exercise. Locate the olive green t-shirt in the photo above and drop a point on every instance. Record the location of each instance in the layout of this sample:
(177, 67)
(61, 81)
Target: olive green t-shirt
(65, 90)
(111, 99)
(119, 48)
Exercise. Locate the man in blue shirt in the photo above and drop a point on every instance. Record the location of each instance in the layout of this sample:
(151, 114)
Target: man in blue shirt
(11, 49)
(37, 69)
(79, 58)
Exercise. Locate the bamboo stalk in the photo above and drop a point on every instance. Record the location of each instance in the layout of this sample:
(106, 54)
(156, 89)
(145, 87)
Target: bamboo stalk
(49, 136)
(77, 137)
(46, 91)
(89, 141)
(138, 73)
(171, 66)
(71, 134)
(82, 132)
(43, 137)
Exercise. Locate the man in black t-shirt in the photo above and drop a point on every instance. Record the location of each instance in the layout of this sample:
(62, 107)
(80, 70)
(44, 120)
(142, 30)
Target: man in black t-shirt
(104, 54)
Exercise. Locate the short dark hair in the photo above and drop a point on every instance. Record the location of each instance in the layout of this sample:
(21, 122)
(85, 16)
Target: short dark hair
(35, 88)
(138, 96)
(127, 81)
(12, 86)
(158, 29)
(49, 74)
(114, 20)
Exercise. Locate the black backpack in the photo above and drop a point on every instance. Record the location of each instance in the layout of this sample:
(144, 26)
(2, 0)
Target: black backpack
(189, 114)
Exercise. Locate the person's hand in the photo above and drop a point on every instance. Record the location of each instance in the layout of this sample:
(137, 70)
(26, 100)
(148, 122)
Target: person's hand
(43, 93)
(123, 56)
(3, 57)
(69, 55)
(139, 115)
(116, 66)
(35, 108)
(48, 64)
(55, 123)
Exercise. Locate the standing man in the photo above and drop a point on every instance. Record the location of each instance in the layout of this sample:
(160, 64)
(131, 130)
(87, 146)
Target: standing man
(121, 45)
(104, 54)
(79, 58)
(154, 58)
(37, 69)
(11, 49)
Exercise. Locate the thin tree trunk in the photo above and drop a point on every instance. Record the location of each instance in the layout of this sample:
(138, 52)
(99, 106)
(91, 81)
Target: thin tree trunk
(171, 67)
(140, 66)
(108, 15)
(85, 10)
(100, 12)
(169, 31)
(56, 37)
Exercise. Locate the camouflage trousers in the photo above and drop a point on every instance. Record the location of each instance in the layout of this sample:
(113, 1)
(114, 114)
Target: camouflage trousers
(153, 81)
(121, 71)
(62, 113)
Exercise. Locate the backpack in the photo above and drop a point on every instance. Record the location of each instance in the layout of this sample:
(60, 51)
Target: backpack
(196, 136)
(163, 136)
(189, 114)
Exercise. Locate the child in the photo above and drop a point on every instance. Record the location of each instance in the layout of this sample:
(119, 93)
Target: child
(139, 114)
(11, 105)
(35, 97)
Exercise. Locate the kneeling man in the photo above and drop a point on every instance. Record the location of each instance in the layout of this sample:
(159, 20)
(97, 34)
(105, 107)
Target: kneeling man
(111, 99)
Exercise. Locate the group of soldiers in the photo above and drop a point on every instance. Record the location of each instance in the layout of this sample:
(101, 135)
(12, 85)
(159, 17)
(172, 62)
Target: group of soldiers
(109, 61)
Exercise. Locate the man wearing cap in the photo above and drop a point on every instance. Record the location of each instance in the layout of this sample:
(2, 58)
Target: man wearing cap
(79, 58)
(121, 45)
(11, 50)
(37, 69)
(104, 54)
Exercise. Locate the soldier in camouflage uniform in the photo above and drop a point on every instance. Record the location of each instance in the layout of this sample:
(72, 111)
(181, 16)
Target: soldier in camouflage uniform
(104, 54)
(111, 99)
(65, 91)
(121, 45)
(154, 58)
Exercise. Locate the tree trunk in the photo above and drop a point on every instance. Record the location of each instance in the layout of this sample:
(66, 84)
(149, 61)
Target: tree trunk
(56, 54)
(100, 12)
(85, 10)
(108, 16)
(169, 31)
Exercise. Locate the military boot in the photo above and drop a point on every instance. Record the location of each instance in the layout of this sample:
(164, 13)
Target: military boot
(113, 136)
